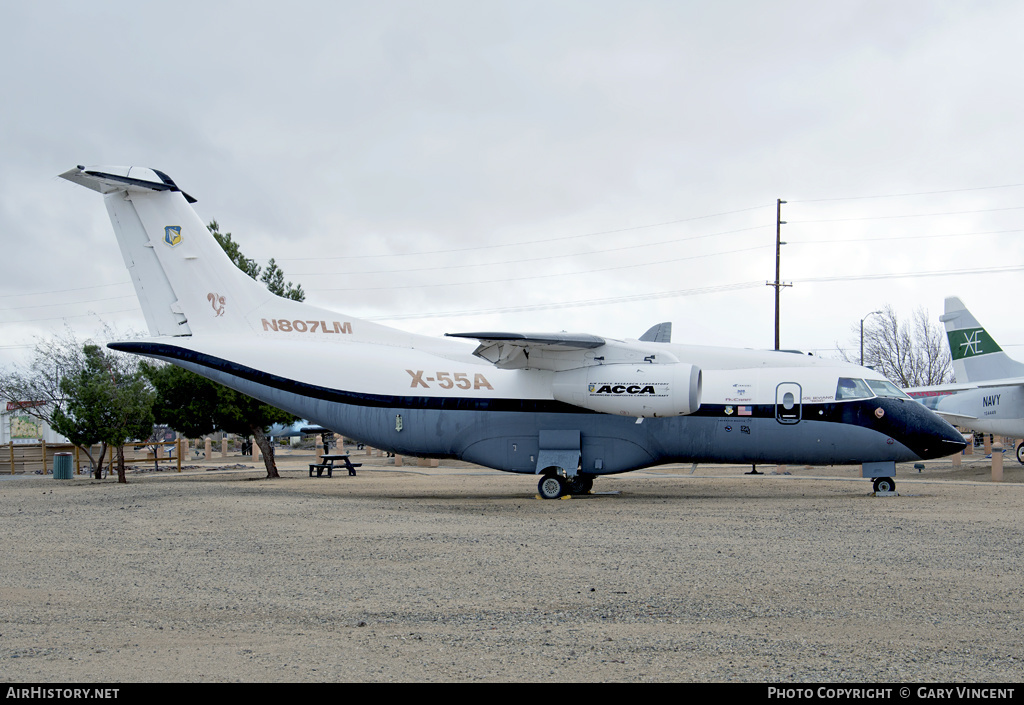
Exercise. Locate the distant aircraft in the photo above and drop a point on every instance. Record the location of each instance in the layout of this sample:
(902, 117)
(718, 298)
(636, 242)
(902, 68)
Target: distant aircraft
(988, 396)
(565, 406)
(299, 428)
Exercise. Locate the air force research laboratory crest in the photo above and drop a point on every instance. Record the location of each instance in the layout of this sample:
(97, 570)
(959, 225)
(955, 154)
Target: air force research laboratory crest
(172, 235)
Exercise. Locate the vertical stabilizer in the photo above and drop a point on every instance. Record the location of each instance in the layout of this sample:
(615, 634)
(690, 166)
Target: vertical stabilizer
(185, 282)
(976, 356)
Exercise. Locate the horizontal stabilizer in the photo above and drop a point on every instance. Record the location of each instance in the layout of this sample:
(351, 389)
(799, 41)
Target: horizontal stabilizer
(110, 179)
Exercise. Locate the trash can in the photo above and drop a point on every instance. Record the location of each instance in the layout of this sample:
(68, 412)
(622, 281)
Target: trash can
(63, 466)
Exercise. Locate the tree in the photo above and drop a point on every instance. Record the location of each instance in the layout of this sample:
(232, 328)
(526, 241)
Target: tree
(106, 401)
(40, 380)
(273, 276)
(196, 407)
(910, 353)
(37, 385)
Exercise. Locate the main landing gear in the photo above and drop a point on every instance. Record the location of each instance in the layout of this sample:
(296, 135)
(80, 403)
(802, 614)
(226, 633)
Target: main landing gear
(553, 486)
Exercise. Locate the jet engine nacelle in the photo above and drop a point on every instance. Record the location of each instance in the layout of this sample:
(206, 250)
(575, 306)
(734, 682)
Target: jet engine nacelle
(631, 390)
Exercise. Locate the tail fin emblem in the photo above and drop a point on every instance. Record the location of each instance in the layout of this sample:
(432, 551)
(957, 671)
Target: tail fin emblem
(217, 302)
(172, 235)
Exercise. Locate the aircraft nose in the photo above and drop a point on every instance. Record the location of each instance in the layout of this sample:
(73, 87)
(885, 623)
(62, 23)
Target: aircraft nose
(952, 441)
(931, 436)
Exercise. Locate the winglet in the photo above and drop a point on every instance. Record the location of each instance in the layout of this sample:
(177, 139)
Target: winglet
(661, 333)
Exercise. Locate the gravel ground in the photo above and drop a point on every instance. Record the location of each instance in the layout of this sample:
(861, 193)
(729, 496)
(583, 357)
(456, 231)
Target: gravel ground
(461, 574)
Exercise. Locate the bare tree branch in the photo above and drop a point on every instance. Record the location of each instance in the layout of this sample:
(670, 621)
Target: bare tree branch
(911, 354)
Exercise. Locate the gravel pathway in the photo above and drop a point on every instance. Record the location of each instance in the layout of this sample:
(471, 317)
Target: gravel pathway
(461, 574)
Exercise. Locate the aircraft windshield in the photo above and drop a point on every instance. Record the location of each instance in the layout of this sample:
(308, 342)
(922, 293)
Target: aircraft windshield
(851, 388)
(885, 388)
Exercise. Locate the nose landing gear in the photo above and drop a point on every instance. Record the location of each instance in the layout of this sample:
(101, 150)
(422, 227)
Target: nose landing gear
(884, 484)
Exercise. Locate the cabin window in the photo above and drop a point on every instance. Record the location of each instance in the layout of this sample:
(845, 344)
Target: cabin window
(851, 388)
(885, 388)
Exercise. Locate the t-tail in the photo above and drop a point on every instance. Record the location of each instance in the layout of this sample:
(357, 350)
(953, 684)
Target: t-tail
(186, 284)
(976, 356)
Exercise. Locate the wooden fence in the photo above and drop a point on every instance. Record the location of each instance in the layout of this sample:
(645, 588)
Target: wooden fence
(38, 457)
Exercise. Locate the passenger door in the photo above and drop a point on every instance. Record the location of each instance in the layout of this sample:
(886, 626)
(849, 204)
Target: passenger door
(787, 403)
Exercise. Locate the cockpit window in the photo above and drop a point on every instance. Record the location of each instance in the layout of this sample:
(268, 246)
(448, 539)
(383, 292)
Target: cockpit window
(851, 388)
(885, 388)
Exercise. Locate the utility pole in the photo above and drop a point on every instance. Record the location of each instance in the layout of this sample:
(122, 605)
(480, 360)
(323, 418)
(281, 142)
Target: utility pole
(779, 222)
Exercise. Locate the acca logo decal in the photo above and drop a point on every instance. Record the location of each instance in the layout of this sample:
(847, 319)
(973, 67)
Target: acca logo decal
(172, 235)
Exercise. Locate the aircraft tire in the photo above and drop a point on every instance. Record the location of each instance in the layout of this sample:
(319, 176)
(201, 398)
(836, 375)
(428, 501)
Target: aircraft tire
(581, 484)
(884, 484)
(551, 487)
(1020, 454)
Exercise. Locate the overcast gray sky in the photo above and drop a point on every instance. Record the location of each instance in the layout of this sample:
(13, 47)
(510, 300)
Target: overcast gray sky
(533, 166)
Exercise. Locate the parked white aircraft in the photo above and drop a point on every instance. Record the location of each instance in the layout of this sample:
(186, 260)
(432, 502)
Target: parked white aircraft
(988, 396)
(567, 407)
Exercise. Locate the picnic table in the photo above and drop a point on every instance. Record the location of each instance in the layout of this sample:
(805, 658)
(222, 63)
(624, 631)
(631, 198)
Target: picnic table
(328, 463)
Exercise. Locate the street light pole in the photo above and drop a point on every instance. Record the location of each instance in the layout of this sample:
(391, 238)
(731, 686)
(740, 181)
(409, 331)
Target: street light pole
(862, 335)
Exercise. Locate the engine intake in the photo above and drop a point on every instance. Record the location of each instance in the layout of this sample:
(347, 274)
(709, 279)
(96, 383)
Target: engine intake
(631, 390)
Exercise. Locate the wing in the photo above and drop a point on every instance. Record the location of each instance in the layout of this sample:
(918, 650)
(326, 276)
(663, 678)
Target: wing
(559, 351)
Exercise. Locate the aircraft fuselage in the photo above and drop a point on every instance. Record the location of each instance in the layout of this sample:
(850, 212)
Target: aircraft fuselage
(449, 406)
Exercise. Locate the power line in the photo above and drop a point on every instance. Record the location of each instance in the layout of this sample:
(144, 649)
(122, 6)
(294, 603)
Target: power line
(63, 291)
(913, 215)
(684, 292)
(79, 315)
(572, 304)
(905, 237)
(72, 303)
(901, 195)
(536, 259)
(542, 276)
(915, 275)
(544, 240)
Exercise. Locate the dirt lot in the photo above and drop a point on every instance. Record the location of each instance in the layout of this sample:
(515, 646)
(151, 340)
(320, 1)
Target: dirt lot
(458, 573)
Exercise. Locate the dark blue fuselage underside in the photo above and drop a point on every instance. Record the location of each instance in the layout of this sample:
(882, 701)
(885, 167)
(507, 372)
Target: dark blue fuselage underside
(505, 433)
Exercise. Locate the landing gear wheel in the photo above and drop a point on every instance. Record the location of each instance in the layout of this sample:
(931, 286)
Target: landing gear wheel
(1020, 454)
(884, 484)
(581, 484)
(551, 487)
